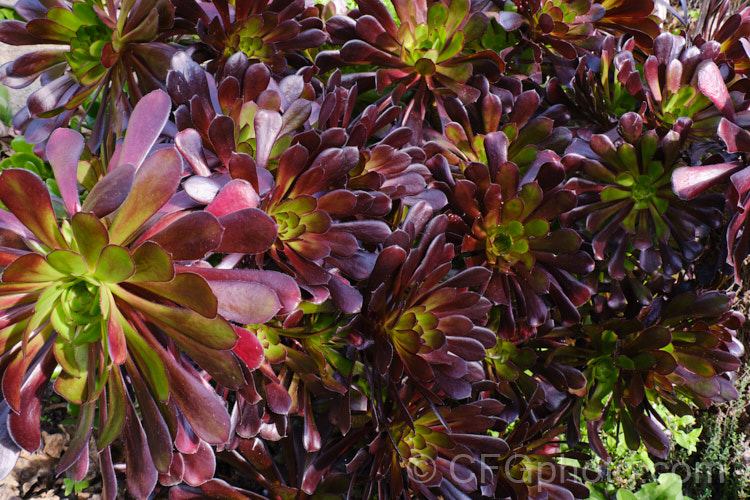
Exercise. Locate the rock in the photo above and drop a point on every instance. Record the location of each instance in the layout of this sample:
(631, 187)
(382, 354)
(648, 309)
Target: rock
(9, 53)
(54, 444)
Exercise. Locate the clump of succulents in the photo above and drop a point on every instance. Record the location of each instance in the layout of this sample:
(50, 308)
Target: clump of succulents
(403, 250)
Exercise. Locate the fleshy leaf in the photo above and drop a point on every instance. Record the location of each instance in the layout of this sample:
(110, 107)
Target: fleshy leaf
(154, 184)
(26, 196)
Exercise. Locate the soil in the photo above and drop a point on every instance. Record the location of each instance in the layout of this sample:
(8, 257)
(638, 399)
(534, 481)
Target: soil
(34, 475)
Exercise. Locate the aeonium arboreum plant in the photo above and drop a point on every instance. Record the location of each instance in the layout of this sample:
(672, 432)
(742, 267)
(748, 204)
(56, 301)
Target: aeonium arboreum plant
(112, 314)
(94, 49)
(507, 220)
(626, 198)
(676, 351)
(429, 52)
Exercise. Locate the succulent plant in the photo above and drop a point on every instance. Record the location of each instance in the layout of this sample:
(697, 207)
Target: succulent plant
(626, 198)
(96, 51)
(606, 85)
(682, 349)
(275, 33)
(684, 81)
(507, 219)
(427, 54)
(423, 326)
(88, 296)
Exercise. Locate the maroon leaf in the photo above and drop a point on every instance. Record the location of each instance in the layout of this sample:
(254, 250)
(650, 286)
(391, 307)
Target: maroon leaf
(190, 237)
(711, 83)
(200, 466)
(109, 193)
(245, 302)
(145, 124)
(79, 442)
(689, 182)
(202, 408)
(248, 231)
(142, 475)
(63, 151)
(24, 426)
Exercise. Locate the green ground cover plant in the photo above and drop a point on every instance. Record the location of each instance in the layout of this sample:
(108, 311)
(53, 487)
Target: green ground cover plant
(272, 249)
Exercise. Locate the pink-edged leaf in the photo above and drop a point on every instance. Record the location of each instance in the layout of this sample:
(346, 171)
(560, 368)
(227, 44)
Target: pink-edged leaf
(711, 83)
(190, 237)
(79, 442)
(689, 182)
(90, 235)
(188, 142)
(200, 466)
(248, 231)
(267, 124)
(154, 184)
(111, 191)
(115, 265)
(24, 426)
(30, 268)
(142, 475)
(152, 263)
(283, 285)
(118, 349)
(144, 127)
(248, 348)
(736, 138)
(63, 151)
(245, 302)
(15, 371)
(27, 197)
(237, 194)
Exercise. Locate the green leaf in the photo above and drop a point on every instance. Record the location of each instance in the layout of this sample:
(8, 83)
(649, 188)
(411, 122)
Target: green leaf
(90, 236)
(149, 363)
(152, 263)
(67, 262)
(115, 265)
(115, 410)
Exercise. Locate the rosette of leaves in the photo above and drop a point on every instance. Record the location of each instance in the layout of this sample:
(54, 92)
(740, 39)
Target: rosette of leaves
(684, 81)
(727, 23)
(532, 467)
(526, 131)
(96, 50)
(426, 54)
(627, 202)
(423, 326)
(552, 26)
(89, 296)
(677, 351)
(606, 85)
(276, 33)
(421, 449)
(509, 227)
(319, 195)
